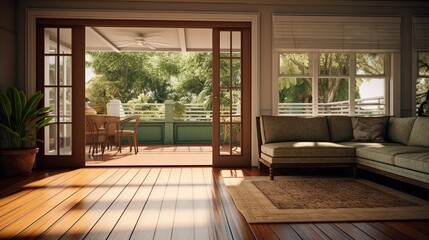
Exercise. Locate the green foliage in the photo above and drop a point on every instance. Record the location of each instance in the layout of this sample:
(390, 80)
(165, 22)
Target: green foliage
(21, 118)
(179, 110)
(331, 87)
(185, 77)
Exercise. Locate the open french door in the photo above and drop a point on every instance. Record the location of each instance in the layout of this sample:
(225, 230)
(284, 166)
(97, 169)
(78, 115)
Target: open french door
(61, 77)
(231, 97)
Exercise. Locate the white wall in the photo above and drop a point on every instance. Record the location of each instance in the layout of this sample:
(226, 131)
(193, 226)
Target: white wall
(7, 44)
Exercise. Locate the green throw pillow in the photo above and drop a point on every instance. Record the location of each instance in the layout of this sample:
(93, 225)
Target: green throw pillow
(369, 129)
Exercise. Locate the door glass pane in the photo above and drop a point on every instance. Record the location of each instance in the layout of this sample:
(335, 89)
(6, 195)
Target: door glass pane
(225, 44)
(236, 139)
(225, 100)
(65, 70)
(65, 104)
(50, 98)
(50, 41)
(236, 72)
(236, 102)
(225, 136)
(51, 139)
(65, 41)
(236, 43)
(65, 139)
(225, 73)
(50, 70)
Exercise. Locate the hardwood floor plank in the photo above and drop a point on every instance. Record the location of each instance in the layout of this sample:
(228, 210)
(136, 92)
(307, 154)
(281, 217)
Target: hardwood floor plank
(146, 224)
(263, 231)
(203, 226)
(221, 228)
(308, 231)
(111, 216)
(63, 208)
(82, 227)
(11, 186)
(353, 231)
(332, 231)
(371, 230)
(184, 216)
(61, 226)
(125, 226)
(284, 231)
(22, 206)
(40, 210)
(164, 227)
(238, 226)
(390, 231)
(413, 229)
(20, 196)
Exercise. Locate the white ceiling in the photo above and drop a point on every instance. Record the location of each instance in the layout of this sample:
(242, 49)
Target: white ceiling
(151, 39)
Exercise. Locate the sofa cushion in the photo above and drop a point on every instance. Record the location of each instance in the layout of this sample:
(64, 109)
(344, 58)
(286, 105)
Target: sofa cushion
(399, 129)
(308, 160)
(307, 149)
(369, 129)
(386, 154)
(288, 129)
(420, 133)
(369, 144)
(405, 172)
(340, 128)
(414, 161)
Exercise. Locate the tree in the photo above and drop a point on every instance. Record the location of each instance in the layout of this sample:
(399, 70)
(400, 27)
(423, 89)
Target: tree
(331, 86)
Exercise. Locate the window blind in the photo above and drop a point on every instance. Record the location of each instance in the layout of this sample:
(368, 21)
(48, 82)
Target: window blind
(421, 33)
(336, 33)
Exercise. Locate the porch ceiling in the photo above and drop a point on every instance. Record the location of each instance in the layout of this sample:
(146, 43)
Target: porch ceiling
(148, 39)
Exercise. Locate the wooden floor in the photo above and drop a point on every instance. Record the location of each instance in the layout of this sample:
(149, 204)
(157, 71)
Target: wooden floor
(155, 203)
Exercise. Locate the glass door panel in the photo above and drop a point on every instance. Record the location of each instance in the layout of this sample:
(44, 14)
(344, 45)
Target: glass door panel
(228, 98)
(57, 88)
(60, 76)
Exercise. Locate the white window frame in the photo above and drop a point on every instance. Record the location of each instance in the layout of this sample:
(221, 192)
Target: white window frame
(314, 56)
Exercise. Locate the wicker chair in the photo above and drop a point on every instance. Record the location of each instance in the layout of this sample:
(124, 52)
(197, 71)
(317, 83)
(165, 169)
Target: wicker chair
(130, 134)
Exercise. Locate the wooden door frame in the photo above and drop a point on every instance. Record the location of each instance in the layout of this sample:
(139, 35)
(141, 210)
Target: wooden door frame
(72, 14)
(244, 159)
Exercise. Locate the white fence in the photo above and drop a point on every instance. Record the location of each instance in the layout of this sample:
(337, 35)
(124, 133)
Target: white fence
(156, 112)
(364, 106)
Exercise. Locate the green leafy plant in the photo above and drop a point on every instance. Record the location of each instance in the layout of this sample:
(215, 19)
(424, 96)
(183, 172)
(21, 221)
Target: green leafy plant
(21, 118)
(179, 110)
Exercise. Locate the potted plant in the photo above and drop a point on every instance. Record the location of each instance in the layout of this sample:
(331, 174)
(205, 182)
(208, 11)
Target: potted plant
(20, 119)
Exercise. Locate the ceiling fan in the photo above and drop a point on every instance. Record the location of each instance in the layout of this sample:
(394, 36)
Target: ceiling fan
(143, 42)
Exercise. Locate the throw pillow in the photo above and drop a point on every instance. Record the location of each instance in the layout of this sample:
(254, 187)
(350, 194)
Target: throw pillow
(370, 129)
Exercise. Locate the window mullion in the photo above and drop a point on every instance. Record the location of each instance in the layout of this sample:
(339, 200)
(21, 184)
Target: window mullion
(315, 81)
(352, 84)
(387, 81)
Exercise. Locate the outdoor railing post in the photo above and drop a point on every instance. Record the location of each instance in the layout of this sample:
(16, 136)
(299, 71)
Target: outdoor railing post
(169, 122)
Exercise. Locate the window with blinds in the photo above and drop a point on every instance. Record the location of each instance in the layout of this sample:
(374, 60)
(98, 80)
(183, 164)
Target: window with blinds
(334, 65)
(337, 32)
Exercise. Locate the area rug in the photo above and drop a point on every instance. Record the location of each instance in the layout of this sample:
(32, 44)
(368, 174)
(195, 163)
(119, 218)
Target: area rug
(318, 199)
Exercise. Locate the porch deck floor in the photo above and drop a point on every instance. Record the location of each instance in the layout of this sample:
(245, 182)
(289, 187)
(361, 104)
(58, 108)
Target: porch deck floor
(154, 155)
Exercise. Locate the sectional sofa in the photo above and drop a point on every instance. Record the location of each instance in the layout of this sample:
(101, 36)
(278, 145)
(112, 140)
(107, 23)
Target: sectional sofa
(395, 147)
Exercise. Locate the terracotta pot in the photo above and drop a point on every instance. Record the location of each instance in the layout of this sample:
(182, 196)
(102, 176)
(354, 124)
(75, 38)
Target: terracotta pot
(17, 162)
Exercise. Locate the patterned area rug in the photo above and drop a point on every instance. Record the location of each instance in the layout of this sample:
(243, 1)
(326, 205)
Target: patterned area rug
(315, 199)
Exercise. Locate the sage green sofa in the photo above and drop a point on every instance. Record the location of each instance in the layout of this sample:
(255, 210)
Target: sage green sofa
(330, 142)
